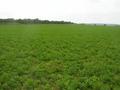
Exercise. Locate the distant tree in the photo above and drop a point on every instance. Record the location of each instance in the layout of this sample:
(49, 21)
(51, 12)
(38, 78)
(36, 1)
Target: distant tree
(32, 21)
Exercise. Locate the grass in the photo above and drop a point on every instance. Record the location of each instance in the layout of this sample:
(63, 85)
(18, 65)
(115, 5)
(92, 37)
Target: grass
(59, 57)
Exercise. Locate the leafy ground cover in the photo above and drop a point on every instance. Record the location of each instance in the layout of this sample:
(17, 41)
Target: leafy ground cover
(59, 57)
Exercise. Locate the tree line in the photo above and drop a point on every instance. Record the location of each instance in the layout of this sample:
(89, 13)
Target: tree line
(32, 21)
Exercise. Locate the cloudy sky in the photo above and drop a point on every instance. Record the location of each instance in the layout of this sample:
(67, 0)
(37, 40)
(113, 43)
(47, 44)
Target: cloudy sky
(81, 11)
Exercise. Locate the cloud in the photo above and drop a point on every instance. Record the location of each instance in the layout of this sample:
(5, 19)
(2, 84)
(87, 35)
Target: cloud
(72, 10)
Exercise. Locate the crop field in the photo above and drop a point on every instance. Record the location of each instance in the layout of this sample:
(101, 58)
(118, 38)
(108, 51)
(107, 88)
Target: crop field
(59, 57)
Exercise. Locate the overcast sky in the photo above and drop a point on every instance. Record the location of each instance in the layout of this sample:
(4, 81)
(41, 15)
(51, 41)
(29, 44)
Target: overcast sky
(81, 11)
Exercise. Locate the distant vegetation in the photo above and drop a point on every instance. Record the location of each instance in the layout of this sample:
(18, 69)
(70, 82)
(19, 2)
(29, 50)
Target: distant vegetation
(32, 21)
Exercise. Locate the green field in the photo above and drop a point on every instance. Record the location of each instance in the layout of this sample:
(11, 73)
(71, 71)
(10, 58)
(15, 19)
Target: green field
(59, 57)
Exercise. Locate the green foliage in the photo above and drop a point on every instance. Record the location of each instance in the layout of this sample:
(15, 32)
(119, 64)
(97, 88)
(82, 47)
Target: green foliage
(31, 21)
(59, 57)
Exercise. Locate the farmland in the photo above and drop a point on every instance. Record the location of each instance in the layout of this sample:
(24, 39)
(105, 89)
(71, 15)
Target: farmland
(59, 57)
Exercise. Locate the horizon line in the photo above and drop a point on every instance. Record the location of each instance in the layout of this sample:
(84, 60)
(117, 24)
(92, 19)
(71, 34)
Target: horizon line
(66, 21)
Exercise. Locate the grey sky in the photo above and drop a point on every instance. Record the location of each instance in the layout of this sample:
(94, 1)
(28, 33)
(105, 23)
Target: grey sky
(84, 11)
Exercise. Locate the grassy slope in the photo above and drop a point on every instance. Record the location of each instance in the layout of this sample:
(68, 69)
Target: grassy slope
(59, 57)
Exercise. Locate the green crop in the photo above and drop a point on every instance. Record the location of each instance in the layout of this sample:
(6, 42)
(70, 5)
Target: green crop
(59, 57)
